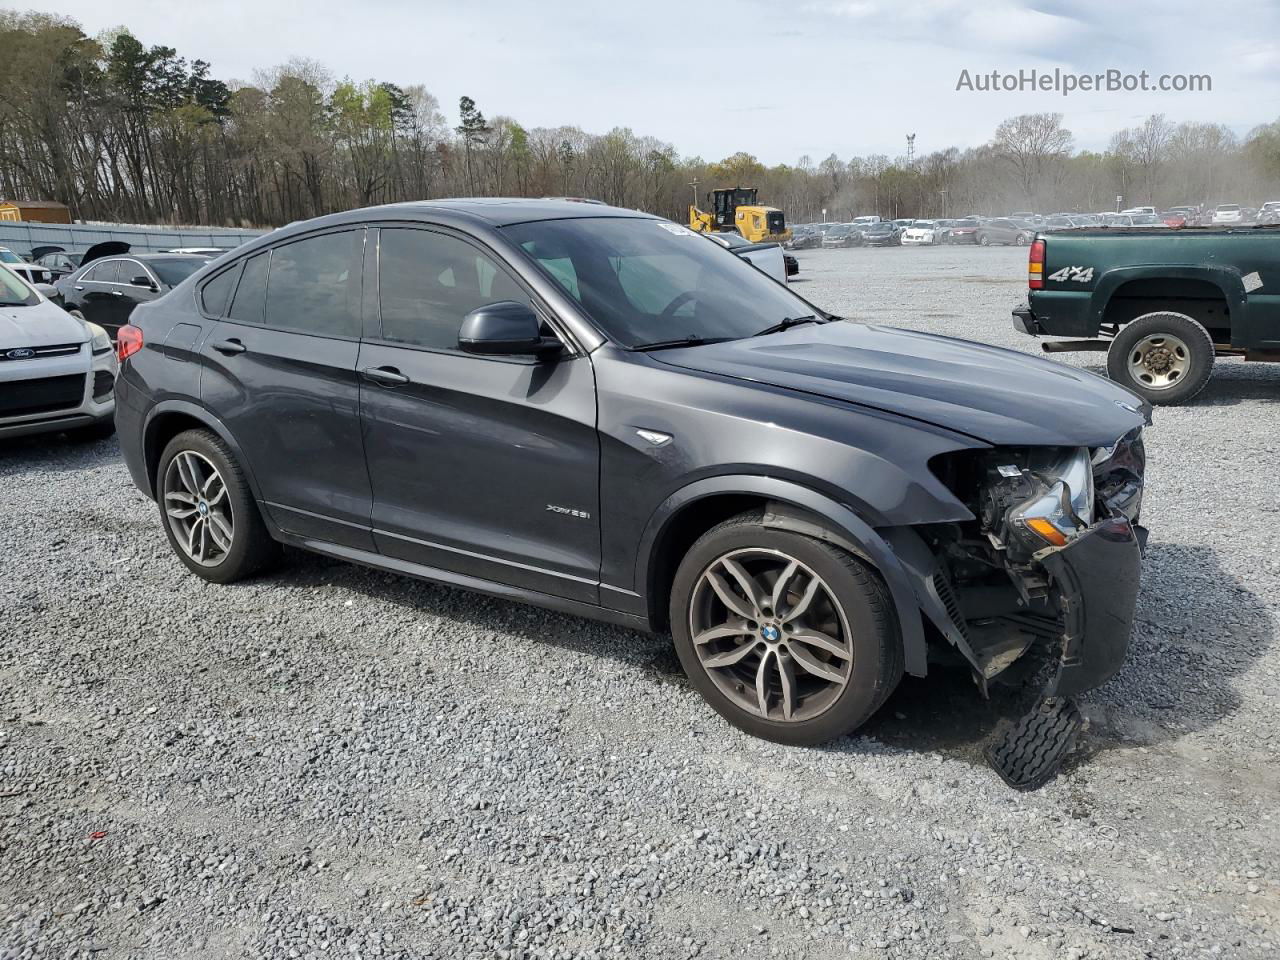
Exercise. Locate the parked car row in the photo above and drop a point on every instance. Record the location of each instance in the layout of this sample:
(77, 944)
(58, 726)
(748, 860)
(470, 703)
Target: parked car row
(874, 232)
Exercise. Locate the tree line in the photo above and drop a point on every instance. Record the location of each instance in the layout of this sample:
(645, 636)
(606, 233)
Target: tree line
(121, 131)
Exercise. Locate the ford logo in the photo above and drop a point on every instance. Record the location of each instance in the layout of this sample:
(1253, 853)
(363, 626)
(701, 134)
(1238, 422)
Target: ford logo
(22, 353)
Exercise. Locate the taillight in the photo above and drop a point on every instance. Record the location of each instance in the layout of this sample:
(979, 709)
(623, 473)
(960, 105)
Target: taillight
(1035, 265)
(128, 342)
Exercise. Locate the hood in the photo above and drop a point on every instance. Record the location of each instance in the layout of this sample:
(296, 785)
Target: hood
(1003, 397)
(41, 325)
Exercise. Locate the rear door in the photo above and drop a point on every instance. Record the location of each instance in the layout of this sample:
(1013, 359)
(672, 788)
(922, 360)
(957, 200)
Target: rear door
(280, 371)
(96, 294)
(485, 466)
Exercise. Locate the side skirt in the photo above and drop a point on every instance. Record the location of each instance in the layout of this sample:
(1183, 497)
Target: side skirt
(407, 568)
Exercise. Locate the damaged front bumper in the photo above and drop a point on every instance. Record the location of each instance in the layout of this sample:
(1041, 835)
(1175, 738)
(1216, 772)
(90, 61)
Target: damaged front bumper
(1098, 575)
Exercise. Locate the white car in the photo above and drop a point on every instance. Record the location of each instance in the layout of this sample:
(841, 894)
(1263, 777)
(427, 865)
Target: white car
(768, 257)
(30, 272)
(1130, 211)
(922, 233)
(57, 372)
(1228, 213)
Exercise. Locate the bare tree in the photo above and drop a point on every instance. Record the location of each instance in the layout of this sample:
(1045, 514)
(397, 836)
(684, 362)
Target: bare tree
(1033, 145)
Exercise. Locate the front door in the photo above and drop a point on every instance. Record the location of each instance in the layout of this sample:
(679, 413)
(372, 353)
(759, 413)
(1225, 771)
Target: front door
(280, 371)
(486, 466)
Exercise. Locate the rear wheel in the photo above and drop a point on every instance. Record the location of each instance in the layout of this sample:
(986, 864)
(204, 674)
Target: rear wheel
(208, 511)
(789, 638)
(1167, 358)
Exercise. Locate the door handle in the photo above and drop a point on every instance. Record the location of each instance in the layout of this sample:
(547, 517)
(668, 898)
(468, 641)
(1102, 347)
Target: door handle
(78, 287)
(230, 347)
(387, 376)
(116, 293)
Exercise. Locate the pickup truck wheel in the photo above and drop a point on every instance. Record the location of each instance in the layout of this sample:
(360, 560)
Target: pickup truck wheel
(1166, 358)
(789, 638)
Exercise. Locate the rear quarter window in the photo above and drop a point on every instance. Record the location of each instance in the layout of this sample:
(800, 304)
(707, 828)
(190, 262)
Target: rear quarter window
(251, 294)
(215, 294)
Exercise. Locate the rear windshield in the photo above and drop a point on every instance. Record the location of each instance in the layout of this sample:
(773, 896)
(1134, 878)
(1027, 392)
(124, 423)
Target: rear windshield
(644, 281)
(15, 293)
(173, 272)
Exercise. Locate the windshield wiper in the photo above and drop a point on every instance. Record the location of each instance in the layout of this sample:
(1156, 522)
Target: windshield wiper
(689, 341)
(786, 323)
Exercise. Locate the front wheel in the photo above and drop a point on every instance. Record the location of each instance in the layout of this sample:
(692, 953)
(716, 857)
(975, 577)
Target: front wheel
(984, 240)
(208, 510)
(789, 638)
(1166, 358)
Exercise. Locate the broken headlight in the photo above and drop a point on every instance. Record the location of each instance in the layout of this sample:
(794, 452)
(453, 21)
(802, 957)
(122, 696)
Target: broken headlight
(1063, 506)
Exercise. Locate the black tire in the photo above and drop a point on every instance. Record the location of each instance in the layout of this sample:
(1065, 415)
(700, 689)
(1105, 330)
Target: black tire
(1199, 356)
(1020, 240)
(984, 240)
(101, 430)
(876, 642)
(252, 549)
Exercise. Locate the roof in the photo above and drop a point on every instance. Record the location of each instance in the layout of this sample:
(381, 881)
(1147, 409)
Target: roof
(34, 204)
(503, 211)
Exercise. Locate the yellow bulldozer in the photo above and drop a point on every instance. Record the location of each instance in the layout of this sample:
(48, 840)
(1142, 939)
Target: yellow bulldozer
(738, 208)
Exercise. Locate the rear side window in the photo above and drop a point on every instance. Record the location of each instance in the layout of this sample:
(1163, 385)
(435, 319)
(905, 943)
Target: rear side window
(314, 285)
(428, 282)
(214, 294)
(251, 294)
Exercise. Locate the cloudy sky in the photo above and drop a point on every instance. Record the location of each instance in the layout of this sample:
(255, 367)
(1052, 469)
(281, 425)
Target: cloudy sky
(778, 78)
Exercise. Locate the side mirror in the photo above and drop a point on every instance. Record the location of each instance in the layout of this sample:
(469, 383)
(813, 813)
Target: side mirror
(504, 328)
(142, 282)
(49, 291)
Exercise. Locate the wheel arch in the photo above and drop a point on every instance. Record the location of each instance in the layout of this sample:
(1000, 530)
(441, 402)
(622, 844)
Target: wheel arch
(170, 418)
(1126, 293)
(784, 505)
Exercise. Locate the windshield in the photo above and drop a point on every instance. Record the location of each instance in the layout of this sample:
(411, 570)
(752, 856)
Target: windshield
(173, 272)
(8, 256)
(15, 293)
(924, 224)
(646, 281)
(1229, 207)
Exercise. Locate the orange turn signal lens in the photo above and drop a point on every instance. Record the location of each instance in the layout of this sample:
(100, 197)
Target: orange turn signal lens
(1046, 531)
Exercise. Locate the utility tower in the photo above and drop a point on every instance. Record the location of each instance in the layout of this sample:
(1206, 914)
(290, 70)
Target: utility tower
(911, 149)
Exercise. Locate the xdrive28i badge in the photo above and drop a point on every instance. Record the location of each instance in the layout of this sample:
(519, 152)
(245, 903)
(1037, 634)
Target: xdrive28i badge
(20, 353)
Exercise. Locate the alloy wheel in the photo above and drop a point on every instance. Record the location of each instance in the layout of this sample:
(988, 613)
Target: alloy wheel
(197, 508)
(1158, 361)
(771, 635)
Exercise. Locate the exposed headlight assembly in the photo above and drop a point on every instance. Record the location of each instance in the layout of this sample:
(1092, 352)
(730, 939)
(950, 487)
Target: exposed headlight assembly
(1055, 515)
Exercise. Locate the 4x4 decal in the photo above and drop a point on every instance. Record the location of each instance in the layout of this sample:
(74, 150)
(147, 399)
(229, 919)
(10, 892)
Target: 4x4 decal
(1078, 274)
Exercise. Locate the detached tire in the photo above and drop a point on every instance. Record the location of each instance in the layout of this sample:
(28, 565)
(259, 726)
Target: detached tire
(1166, 358)
(789, 638)
(208, 510)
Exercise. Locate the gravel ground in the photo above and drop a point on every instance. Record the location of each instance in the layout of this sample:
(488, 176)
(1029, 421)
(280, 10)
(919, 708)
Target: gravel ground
(335, 762)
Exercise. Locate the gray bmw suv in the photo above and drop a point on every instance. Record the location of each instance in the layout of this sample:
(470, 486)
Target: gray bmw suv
(595, 410)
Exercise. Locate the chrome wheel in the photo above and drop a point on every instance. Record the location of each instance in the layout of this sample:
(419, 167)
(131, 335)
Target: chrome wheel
(771, 635)
(197, 508)
(1159, 360)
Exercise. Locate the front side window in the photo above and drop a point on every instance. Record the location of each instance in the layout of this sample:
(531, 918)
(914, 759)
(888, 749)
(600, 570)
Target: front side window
(645, 281)
(313, 285)
(428, 282)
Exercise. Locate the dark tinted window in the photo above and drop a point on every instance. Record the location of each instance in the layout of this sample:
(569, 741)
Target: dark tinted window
(428, 282)
(314, 286)
(173, 272)
(213, 295)
(106, 271)
(251, 294)
(131, 270)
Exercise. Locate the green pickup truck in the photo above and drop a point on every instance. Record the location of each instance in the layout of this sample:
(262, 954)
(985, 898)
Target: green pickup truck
(1161, 303)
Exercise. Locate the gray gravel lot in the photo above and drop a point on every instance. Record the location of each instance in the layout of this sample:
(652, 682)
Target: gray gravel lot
(335, 762)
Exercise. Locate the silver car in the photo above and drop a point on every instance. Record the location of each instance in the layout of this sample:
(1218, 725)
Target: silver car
(57, 372)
